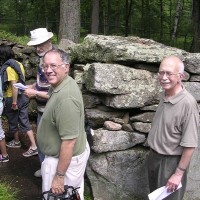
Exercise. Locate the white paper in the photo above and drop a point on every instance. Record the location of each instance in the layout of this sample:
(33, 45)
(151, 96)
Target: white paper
(161, 193)
(20, 86)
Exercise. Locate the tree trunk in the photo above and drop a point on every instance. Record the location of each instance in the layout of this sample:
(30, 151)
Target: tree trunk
(45, 14)
(142, 19)
(108, 18)
(69, 27)
(128, 7)
(196, 19)
(95, 17)
(105, 20)
(148, 20)
(176, 19)
(170, 16)
(161, 20)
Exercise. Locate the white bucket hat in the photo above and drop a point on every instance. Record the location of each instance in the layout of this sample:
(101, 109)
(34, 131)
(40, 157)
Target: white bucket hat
(38, 36)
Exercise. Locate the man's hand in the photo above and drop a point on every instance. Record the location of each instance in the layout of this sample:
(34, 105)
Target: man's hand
(58, 184)
(14, 106)
(174, 181)
(31, 93)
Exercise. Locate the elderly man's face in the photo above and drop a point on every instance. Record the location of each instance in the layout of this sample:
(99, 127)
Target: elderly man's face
(54, 68)
(41, 49)
(169, 75)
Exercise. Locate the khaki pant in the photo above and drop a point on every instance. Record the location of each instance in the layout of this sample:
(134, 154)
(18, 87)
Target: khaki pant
(160, 168)
(74, 175)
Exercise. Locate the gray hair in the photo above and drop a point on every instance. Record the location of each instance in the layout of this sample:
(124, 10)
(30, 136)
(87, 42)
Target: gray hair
(181, 67)
(63, 55)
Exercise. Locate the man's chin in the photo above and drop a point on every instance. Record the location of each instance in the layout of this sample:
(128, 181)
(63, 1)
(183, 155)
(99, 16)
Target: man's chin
(165, 87)
(41, 54)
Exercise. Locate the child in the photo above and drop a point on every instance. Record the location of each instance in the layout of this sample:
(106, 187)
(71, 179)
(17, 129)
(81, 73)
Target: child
(16, 103)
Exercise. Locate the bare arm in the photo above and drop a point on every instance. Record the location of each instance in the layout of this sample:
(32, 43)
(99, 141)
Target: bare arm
(175, 179)
(31, 86)
(32, 93)
(66, 153)
(14, 93)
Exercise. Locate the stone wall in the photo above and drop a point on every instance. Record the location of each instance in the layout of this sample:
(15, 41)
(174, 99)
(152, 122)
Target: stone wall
(117, 76)
(118, 79)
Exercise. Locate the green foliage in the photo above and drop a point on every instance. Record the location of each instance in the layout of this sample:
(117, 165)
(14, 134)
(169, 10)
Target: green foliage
(7, 192)
(12, 37)
(148, 19)
(87, 195)
(23, 40)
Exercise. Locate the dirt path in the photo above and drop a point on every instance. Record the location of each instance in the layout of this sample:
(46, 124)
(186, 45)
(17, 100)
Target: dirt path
(19, 173)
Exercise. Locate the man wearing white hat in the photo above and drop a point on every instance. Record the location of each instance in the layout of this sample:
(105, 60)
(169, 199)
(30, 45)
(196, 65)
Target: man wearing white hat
(41, 40)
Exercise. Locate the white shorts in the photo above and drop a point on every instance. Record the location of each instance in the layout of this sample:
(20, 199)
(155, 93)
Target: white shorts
(74, 175)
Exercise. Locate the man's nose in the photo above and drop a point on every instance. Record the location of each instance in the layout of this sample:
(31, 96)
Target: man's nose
(165, 76)
(48, 69)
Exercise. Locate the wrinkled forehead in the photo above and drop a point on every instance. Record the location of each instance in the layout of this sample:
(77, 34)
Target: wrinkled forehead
(52, 57)
(169, 65)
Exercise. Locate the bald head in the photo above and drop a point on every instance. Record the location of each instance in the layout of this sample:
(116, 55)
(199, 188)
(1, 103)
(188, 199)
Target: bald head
(175, 61)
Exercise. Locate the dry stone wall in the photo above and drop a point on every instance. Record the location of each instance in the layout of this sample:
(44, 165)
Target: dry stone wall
(118, 79)
(117, 76)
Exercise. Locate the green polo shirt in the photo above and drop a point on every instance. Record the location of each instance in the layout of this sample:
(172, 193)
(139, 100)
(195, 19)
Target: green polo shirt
(63, 119)
(175, 124)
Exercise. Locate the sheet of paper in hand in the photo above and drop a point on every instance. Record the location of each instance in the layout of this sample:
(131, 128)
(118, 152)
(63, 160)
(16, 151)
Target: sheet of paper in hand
(161, 193)
(20, 86)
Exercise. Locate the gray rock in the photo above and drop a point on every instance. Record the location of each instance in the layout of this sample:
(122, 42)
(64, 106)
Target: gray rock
(105, 140)
(193, 88)
(192, 62)
(97, 117)
(119, 175)
(142, 127)
(144, 117)
(127, 127)
(117, 120)
(195, 78)
(124, 87)
(78, 76)
(112, 126)
(119, 49)
(150, 108)
(91, 100)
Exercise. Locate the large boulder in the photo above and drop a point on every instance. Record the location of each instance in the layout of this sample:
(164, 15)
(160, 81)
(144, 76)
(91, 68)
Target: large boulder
(128, 50)
(119, 175)
(123, 87)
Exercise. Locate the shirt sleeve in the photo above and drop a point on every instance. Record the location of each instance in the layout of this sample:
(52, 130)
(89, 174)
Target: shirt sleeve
(190, 130)
(12, 75)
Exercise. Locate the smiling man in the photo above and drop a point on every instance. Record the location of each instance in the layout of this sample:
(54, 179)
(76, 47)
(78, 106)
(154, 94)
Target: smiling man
(61, 135)
(174, 133)
(41, 41)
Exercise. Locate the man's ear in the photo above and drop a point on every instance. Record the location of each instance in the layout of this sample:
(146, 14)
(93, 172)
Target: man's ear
(67, 68)
(182, 75)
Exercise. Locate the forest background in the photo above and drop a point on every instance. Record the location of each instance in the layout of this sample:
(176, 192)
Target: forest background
(171, 22)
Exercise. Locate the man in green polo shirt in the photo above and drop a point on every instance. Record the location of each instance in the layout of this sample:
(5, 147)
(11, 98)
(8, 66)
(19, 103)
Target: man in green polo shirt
(61, 135)
(174, 133)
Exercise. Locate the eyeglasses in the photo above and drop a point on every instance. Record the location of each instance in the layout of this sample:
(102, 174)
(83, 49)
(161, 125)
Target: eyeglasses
(40, 45)
(168, 74)
(52, 66)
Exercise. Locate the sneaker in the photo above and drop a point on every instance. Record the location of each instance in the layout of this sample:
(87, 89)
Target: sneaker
(38, 173)
(4, 158)
(13, 144)
(30, 152)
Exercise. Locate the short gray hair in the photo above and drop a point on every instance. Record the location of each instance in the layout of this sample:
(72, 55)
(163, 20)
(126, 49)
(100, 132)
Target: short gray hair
(63, 55)
(181, 67)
